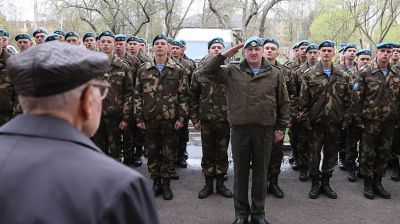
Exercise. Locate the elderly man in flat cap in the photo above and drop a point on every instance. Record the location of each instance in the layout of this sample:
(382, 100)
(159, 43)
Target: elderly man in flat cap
(324, 105)
(50, 170)
(258, 113)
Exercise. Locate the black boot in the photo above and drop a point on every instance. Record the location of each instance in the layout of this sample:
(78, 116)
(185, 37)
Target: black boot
(314, 192)
(368, 188)
(274, 188)
(221, 189)
(157, 189)
(379, 190)
(175, 175)
(326, 188)
(352, 177)
(303, 177)
(166, 189)
(396, 171)
(208, 188)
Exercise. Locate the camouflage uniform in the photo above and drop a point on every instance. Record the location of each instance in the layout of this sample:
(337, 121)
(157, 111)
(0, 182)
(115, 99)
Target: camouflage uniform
(299, 133)
(208, 106)
(8, 96)
(161, 100)
(324, 106)
(142, 58)
(376, 106)
(277, 148)
(116, 108)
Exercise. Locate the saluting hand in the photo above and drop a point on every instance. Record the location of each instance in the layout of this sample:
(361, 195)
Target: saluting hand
(232, 51)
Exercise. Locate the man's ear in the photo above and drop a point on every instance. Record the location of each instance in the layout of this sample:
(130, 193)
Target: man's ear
(87, 101)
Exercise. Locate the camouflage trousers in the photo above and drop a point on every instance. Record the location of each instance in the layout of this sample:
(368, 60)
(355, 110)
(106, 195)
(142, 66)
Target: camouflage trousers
(396, 143)
(377, 142)
(5, 117)
(133, 141)
(215, 138)
(352, 150)
(183, 138)
(108, 136)
(323, 138)
(275, 161)
(299, 137)
(160, 141)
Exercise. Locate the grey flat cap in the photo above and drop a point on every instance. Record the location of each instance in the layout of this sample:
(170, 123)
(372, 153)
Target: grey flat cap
(54, 68)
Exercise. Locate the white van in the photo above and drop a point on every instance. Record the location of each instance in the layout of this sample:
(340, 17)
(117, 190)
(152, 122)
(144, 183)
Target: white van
(197, 39)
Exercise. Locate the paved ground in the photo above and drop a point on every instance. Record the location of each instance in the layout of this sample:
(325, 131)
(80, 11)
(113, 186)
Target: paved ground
(296, 207)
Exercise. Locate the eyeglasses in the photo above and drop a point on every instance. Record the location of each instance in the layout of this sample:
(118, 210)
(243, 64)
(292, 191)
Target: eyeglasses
(103, 88)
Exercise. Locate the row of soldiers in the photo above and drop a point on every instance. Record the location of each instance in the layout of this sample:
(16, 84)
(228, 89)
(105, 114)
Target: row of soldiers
(326, 99)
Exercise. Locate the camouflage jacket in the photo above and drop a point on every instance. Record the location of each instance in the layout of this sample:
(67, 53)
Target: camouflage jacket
(187, 67)
(208, 99)
(161, 96)
(8, 96)
(142, 58)
(325, 100)
(260, 99)
(117, 102)
(287, 74)
(297, 79)
(376, 97)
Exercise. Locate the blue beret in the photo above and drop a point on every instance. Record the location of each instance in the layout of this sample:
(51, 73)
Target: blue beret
(51, 37)
(6, 33)
(133, 38)
(60, 32)
(88, 34)
(295, 46)
(71, 34)
(385, 45)
(341, 49)
(311, 47)
(216, 40)
(106, 34)
(273, 41)
(348, 46)
(326, 43)
(141, 40)
(253, 41)
(120, 37)
(160, 37)
(176, 43)
(23, 36)
(39, 31)
(396, 45)
(364, 52)
(182, 42)
(170, 40)
(303, 42)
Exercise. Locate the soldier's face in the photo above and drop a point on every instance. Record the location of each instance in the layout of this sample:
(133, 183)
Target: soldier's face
(39, 38)
(383, 55)
(161, 47)
(5, 42)
(133, 47)
(142, 46)
(302, 51)
(363, 60)
(296, 52)
(254, 55)
(395, 54)
(73, 40)
(24, 44)
(327, 53)
(90, 43)
(312, 56)
(120, 47)
(176, 51)
(106, 44)
(350, 54)
(271, 51)
(62, 38)
(216, 49)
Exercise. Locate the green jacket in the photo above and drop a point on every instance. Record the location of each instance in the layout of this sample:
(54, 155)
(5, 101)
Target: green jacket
(325, 100)
(161, 96)
(261, 99)
(8, 96)
(376, 97)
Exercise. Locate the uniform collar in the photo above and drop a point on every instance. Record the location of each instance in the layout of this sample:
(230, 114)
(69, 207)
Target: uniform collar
(170, 64)
(265, 66)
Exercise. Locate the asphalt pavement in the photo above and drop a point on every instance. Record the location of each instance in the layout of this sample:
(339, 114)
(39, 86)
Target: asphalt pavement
(350, 207)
